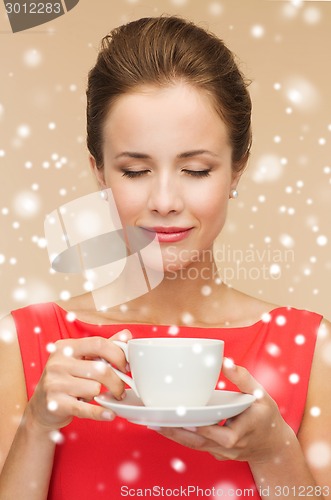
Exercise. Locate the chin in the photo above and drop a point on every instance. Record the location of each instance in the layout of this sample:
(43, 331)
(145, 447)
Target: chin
(174, 267)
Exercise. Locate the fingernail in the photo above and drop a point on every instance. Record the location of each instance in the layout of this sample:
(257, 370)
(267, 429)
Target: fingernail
(191, 429)
(107, 415)
(127, 367)
(123, 396)
(152, 428)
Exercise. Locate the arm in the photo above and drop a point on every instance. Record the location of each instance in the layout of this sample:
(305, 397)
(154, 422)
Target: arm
(26, 428)
(261, 437)
(30, 462)
(315, 431)
(305, 463)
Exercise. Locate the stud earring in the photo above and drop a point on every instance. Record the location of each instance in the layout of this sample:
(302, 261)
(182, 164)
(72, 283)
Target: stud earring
(104, 194)
(234, 193)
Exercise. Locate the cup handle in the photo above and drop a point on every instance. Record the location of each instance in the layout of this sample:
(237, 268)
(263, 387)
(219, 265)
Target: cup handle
(128, 380)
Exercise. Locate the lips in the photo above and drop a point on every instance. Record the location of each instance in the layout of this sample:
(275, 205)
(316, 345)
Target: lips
(170, 234)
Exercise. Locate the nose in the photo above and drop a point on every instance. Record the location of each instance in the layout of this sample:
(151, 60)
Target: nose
(165, 196)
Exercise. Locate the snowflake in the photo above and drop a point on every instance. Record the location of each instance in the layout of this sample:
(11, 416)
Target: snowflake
(50, 347)
(23, 131)
(6, 336)
(319, 454)
(215, 9)
(315, 411)
(52, 405)
(56, 436)
(268, 169)
(280, 320)
(65, 295)
(294, 378)
(257, 31)
(311, 15)
(273, 349)
(321, 240)
(68, 351)
(258, 393)
(210, 360)
(301, 93)
(187, 318)
(181, 411)
(225, 490)
(300, 339)
(32, 58)
(206, 290)
(26, 204)
(287, 241)
(128, 471)
(178, 465)
(197, 348)
(173, 330)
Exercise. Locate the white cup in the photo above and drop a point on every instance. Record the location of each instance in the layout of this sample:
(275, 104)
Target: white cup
(172, 372)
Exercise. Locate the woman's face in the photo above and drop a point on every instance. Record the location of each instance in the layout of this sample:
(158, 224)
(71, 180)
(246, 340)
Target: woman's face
(167, 160)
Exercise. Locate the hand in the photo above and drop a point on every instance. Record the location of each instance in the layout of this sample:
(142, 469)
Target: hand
(72, 377)
(257, 435)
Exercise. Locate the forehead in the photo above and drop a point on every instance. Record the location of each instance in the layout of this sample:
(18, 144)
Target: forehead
(179, 115)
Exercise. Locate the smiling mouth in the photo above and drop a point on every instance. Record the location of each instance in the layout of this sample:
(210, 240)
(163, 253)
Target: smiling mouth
(170, 234)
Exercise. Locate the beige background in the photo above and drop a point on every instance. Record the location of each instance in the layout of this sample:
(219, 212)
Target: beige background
(282, 216)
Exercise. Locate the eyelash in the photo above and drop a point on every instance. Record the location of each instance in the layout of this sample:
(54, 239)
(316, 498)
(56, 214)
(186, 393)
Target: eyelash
(132, 174)
(138, 173)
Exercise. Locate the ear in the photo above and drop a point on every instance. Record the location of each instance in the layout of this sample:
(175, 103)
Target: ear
(97, 172)
(235, 179)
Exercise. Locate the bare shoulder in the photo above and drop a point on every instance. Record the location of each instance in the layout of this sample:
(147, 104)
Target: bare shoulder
(315, 430)
(243, 309)
(12, 385)
(77, 303)
(82, 305)
(11, 367)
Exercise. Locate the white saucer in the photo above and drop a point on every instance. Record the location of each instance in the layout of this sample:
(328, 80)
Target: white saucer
(222, 405)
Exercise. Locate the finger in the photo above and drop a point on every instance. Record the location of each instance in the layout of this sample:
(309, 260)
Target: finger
(240, 377)
(85, 389)
(123, 335)
(183, 436)
(81, 409)
(198, 441)
(92, 347)
(72, 386)
(99, 371)
(114, 354)
(225, 437)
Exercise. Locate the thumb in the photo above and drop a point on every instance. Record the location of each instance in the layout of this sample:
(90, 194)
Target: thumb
(123, 335)
(240, 377)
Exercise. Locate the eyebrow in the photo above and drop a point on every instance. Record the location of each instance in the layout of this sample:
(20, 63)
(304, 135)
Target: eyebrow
(186, 154)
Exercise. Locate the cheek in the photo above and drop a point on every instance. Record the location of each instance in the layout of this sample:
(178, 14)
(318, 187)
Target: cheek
(128, 199)
(212, 204)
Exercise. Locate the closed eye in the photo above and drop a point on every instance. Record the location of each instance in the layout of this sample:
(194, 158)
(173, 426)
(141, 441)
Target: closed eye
(134, 173)
(197, 173)
(138, 173)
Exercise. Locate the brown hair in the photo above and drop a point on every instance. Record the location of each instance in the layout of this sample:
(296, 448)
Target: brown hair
(160, 51)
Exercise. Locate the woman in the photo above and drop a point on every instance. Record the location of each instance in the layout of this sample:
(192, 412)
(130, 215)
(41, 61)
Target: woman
(168, 122)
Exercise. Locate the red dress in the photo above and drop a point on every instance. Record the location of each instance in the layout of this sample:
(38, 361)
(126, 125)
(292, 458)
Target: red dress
(117, 459)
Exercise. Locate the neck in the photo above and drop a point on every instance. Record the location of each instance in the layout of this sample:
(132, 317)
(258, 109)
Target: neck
(187, 296)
